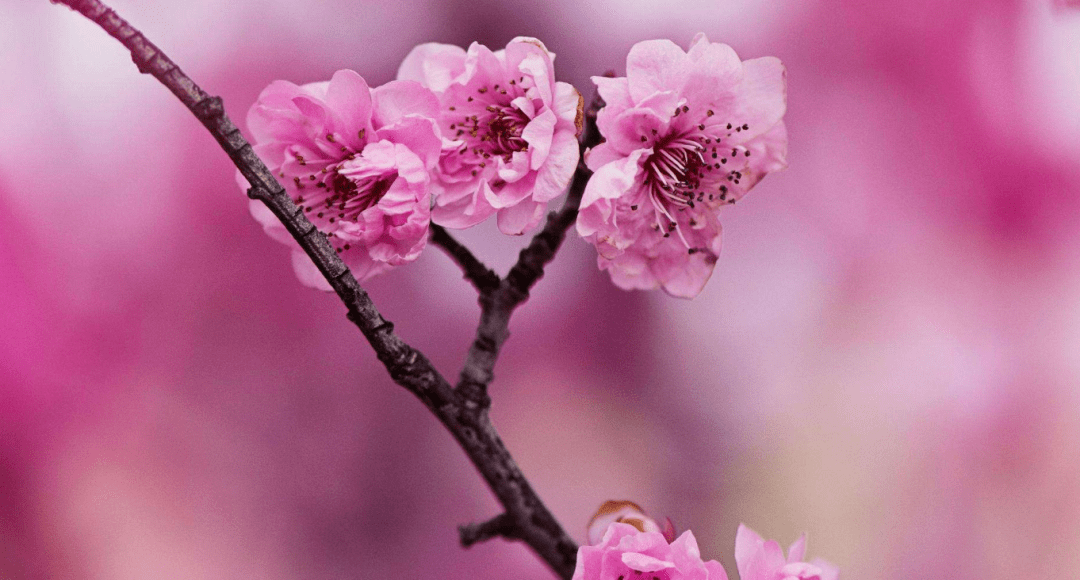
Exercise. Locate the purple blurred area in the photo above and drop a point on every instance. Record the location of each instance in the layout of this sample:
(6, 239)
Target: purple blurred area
(887, 356)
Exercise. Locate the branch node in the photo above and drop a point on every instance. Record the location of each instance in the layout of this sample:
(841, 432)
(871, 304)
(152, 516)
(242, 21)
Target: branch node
(475, 395)
(209, 108)
(500, 525)
(143, 64)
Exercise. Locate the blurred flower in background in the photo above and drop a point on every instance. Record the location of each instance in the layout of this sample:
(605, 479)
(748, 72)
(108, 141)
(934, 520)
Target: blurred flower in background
(886, 355)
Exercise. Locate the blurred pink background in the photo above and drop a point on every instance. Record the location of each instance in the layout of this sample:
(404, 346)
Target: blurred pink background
(887, 356)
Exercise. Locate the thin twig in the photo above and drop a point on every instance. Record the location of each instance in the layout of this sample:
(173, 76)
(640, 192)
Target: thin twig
(469, 423)
(479, 275)
(498, 305)
(498, 526)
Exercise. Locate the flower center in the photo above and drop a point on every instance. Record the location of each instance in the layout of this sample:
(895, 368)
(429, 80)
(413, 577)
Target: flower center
(675, 170)
(687, 168)
(339, 197)
(504, 128)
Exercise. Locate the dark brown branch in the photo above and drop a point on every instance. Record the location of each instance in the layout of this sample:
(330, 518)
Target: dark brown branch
(498, 305)
(499, 526)
(469, 423)
(479, 275)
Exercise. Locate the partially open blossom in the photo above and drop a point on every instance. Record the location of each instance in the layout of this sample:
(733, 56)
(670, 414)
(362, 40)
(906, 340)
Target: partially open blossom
(686, 133)
(627, 553)
(357, 160)
(761, 560)
(625, 512)
(509, 131)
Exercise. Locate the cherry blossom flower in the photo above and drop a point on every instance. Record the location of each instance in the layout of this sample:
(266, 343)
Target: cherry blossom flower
(627, 553)
(686, 133)
(761, 560)
(357, 160)
(509, 131)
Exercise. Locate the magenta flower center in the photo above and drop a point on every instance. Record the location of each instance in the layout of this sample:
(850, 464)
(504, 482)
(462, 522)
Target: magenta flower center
(687, 167)
(503, 129)
(337, 197)
(494, 127)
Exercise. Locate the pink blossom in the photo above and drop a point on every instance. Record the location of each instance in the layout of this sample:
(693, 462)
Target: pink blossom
(510, 131)
(761, 560)
(626, 553)
(687, 133)
(357, 160)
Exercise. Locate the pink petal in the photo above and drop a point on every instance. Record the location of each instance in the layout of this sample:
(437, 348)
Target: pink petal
(530, 57)
(687, 557)
(555, 175)
(515, 220)
(269, 222)
(645, 563)
(525, 105)
(538, 135)
(466, 211)
(762, 96)
(516, 168)
(747, 545)
(614, 91)
(349, 97)
(797, 551)
(397, 99)
(653, 66)
(629, 271)
(510, 194)
(482, 66)
(314, 112)
(829, 570)
(608, 183)
(433, 65)
(273, 113)
(601, 155)
(716, 571)
(633, 130)
(419, 135)
(714, 70)
(568, 105)
(308, 272)
(683, 275)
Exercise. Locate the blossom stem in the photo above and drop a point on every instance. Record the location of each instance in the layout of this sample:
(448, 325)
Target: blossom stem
(526, 517)
(497, 304)
(482, 277)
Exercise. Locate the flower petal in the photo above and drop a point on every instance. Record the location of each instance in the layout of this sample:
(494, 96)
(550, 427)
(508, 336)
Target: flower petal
(516, 219)
(608, 183)
(397, 99)
(653, 66)
(762, 96)
(554, 176)
(433, 65)
(349, 97)
(538, 135)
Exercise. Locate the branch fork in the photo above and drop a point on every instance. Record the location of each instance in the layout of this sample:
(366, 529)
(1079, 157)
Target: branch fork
(463, 409)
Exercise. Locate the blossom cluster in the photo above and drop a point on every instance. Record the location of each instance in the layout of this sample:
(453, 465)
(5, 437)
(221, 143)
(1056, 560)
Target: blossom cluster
(633, 547)
(464, 135)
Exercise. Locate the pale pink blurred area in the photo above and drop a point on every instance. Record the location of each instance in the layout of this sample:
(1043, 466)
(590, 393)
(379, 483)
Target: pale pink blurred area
(887, 355)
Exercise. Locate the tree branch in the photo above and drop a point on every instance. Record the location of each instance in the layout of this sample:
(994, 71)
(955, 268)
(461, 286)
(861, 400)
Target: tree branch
(467, 421)
(498, 305)
(500, 525)
(479, 275)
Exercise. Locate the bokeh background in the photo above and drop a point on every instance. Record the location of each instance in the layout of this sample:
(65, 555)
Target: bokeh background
(887, 356)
